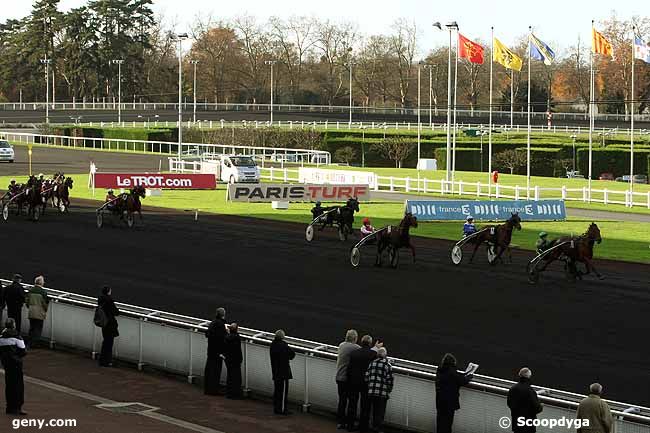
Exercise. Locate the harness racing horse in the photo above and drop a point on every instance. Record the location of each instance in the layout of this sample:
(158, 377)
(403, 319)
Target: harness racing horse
(396, 238)
(498, 236)
(129, 203)
(343, 216)
(33, 197)
(573, 250)
(62, 194)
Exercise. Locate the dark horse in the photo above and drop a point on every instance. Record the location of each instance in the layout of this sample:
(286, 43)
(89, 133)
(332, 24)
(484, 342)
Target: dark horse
(575, 249)
(395, 238)
(33, 197)
(62, 193)
(129, 203)
(343, 216)
(498, 236)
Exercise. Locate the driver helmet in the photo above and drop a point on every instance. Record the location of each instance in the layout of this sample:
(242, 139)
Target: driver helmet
(469, 218)
(543, 234)
(366, 221)
(12, 181)
(318, 203)
(110, 191)
(40, 175)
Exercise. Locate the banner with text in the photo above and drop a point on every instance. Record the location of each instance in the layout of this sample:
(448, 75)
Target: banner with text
(266, 192)
(336, 177)
(529, 210)
(155, 180)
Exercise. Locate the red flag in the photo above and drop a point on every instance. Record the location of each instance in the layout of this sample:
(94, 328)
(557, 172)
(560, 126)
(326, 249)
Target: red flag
(470, 50)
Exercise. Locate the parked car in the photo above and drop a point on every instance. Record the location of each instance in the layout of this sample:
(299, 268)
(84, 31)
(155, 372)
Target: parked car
(6, 151)
(606, 176)
(638, 178)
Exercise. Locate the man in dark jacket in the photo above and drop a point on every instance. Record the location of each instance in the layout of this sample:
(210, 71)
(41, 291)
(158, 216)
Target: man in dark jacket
(281, 355)
(12, 351)
(15, 299)
(360, 359)
(448, 384)
(109, 330)
(523, 403)
(216, 335)
(234, 359)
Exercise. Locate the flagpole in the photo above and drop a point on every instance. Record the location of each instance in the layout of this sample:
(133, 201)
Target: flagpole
(591, 109)
(632, 127)
(490, 122)
(512, 98)
(530, 32)
(448, 154)
(453, 160)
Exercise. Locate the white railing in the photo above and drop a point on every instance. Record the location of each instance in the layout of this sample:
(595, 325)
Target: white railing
(412, 402)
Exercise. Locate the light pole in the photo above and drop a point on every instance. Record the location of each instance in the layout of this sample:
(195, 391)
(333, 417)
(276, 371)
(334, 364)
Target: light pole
(430, 68)
(119, 62)
(350, 64)
(363, 145)
(271, 63)
(47, 62)
(194, 62)
(180, 38)
(573, 137)
(417, 166)
(451, 27)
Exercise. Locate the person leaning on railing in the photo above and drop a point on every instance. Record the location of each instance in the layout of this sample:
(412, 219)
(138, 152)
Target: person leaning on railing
(523, 403)
(596, 410)
(448, 384)
(216, 335)
(342, 361)
(281, 355)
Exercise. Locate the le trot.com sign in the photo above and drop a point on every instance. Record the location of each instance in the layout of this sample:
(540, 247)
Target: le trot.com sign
(432, 210)
(155, 180)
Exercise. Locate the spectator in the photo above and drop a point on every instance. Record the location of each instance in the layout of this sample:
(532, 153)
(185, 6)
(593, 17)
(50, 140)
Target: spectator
(342, 361)
(37, 303)
(360, 359)
(216, 335)
(596, 410)
(14, 296)
(281, 355)
(234, 359)
(12, 351)
(448, 384)
(109, 330)
(523, 403)
(379, 378)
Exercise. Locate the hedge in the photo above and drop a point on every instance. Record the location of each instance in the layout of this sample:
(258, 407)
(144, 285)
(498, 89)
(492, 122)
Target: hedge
(467, 159)
(613, 160)
(544, 162)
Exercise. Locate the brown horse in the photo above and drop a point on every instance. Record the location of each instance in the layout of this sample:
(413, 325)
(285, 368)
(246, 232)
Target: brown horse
(395, 238)
(497, 237)
(575, 249)
(62, 193)
(129, 203)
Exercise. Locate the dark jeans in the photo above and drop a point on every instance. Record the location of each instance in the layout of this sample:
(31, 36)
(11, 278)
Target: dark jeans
(106, 353)
(212, 376)
(445, 419)
(233, 380)
(17, 315)
(14, 388)
(378, 406)
(344, 399)
(35, 331)
(359, 393)
(280, 396)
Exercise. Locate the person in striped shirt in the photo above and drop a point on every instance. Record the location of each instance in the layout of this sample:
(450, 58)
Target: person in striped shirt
(379, 378)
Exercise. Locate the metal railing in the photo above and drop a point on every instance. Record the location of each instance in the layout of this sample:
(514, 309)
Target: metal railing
(176, 343)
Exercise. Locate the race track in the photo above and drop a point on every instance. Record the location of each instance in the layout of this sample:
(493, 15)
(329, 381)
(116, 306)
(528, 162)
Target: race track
(268, 277)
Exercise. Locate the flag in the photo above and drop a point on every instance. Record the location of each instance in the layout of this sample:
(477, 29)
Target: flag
(540, 51)
(599, 44)
(641, 50)
(505, 57)
(470, 50)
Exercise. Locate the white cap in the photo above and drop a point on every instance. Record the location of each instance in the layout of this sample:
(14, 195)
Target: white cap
(469, 217)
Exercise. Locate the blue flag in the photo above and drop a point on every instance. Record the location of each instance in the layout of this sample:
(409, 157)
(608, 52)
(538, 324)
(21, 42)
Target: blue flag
(641, 50)
(540, 51)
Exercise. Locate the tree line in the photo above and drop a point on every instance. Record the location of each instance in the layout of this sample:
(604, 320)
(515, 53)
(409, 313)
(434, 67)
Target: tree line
(312, 60)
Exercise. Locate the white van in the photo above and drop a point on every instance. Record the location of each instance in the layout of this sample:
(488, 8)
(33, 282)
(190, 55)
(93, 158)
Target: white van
(238, 169)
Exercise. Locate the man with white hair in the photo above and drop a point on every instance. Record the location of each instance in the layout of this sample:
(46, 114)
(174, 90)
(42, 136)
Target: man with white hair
(596, 410)
(342, 361)
(216, 335)
(523, 403)
(37, 304)
(379, 379)
(281, 356)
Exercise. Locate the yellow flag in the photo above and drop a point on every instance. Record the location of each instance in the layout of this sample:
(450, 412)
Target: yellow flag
(505, 57)
(600, 44)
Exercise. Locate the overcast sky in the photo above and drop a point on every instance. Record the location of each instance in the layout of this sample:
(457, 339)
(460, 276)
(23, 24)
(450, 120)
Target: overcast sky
(556, 22)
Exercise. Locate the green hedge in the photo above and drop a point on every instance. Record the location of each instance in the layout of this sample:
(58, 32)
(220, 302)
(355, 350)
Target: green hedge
(613, 160)
(142, 134)
(467, 159)
(544, 162)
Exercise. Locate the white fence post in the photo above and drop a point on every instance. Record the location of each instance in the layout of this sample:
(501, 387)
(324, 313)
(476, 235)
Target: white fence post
(478, 189)
(408, 184)
(536, 193)
(563, 192)
(516, 192)
(460, 187)
(584, 193)
(285, 175)
(605, 194)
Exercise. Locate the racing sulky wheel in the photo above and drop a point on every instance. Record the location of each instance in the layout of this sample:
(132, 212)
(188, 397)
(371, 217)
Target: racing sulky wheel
(456, 255)
(100, 219)
(355, 256)
(5, 212)
(533, 273)
(309, 233)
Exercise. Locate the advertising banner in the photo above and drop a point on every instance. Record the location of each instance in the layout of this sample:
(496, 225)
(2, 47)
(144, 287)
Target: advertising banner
(529, 210)
(155, 180)
(336, 177)
(266, 192)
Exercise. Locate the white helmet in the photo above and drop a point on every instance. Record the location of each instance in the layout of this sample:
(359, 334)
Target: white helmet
(469, 218)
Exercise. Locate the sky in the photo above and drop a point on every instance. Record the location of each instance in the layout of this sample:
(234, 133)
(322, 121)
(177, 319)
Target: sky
(556, 22)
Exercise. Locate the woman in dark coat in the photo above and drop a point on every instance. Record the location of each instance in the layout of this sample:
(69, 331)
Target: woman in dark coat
(109, 331)
(448, 383)
(12, 351)
(234, 360)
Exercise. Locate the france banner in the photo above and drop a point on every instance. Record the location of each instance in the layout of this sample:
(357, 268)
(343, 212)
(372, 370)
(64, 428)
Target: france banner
(458, 210)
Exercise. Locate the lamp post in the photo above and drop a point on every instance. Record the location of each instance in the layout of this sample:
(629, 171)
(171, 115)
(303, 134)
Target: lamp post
(573, 137)
(430, 68)
(180, 38)
(271, 63)
(194, 62)
(451, 27)
(363, 145)
(417, 166)
(47, 62)
(119, 62)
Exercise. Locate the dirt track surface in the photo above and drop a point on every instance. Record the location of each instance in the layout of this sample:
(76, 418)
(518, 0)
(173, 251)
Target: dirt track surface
(269, 277)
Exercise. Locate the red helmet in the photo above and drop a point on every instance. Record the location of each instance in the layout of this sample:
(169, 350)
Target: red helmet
(366, 220)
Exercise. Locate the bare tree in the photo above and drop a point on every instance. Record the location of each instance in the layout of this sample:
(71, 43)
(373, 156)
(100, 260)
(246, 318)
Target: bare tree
(510, 159)
(395, 148)
(404, 47)
(334, 42)
(345, 154)
(255, 48)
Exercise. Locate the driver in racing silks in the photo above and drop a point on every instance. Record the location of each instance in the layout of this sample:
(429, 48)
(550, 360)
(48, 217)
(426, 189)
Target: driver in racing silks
(13, 188)
(317, 210)
(110, 199)
(542, 243)
(366, 228)
(469, 227)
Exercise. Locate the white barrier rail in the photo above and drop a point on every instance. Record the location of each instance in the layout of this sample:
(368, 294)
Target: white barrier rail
(176, 343)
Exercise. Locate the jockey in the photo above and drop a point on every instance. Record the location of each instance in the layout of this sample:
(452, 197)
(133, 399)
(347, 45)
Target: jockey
(469, 227)
(13, 187)
(317, 210)
(110, 196)
(366, 228)
(542, 243)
